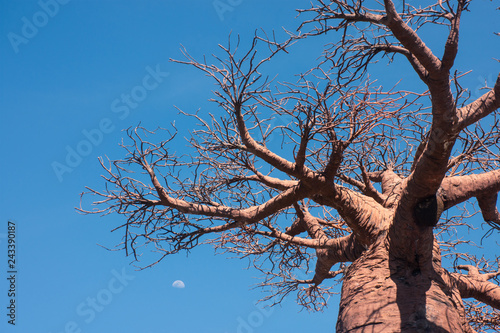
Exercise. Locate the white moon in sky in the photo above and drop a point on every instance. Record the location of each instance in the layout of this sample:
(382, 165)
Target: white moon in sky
(178, 284)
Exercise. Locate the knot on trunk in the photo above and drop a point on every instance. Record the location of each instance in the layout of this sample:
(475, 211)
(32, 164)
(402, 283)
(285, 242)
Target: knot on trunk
(428, 211)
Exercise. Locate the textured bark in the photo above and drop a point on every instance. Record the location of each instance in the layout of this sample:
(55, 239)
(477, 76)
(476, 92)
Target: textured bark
(384, 294)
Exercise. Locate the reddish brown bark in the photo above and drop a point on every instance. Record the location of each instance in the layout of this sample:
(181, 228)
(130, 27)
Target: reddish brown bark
(367, 178)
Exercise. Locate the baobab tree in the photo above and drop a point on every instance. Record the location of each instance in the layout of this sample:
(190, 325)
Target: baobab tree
(354, 189)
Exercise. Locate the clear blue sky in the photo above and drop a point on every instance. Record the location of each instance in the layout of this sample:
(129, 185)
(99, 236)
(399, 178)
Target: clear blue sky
(63, 71)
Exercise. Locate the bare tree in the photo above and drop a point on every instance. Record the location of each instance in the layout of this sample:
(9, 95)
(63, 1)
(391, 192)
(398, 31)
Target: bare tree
(356, 186)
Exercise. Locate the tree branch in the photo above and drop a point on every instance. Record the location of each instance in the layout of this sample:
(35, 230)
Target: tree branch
(476, 285)
(410, 40)
(455, 190)
(488, 205)
(343, 249)
(451, 46)
(481, 107)
(485, 187)
(264, 153)
(269, 181)
(362, 214)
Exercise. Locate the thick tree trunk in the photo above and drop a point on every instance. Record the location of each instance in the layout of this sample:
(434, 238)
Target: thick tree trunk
(384, 294)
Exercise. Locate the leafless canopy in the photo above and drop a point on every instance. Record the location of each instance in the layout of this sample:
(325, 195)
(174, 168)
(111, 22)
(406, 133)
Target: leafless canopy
(307, 176)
